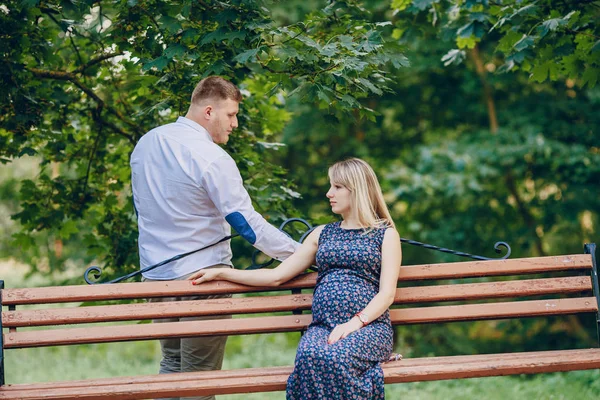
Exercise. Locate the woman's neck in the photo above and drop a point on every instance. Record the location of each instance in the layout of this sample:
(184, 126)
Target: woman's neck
(350, 223)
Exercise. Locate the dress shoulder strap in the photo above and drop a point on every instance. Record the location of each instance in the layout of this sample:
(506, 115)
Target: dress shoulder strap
(326, 232)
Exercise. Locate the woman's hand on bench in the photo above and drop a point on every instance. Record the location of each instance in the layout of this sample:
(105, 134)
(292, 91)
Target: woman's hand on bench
(394, 357)
(205, 275)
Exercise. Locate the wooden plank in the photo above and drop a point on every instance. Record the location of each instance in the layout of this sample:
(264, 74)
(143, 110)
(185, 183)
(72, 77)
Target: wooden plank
(458, 270)
(291, 323)
(568, 360)
(129, 312)
(517, 266)
(139, 290)
(284, 370)
(476, 312)
(493, 290)
(145, 311)
(122, 333)
(274, 378)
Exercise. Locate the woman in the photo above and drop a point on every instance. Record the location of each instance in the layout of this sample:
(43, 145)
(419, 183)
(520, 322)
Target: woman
(359, 259)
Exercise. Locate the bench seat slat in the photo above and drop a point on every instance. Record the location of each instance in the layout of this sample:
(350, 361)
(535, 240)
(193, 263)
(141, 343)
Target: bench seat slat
(291, 323)
(274, 378)
(249, 372)
(181, 288)
(128, 312)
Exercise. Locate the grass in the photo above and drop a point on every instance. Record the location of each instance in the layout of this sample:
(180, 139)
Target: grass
(140, 358)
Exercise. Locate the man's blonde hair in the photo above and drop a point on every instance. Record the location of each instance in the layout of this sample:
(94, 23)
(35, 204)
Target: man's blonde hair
(215, 88)
(367, 198)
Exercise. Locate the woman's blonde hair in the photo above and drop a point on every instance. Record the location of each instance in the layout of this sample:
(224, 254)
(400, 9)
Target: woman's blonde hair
(367, 199)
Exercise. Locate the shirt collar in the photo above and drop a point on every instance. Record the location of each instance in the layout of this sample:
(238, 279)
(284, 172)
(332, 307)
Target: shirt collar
(195, 126)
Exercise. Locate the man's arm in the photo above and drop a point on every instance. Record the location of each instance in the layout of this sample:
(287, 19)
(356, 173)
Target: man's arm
(223, 183)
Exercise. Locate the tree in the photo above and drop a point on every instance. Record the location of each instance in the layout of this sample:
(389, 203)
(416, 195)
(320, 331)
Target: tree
(83, 80)
(547, 39)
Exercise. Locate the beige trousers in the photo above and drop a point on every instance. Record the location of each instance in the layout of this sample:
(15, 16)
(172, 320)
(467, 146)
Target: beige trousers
(191, 354)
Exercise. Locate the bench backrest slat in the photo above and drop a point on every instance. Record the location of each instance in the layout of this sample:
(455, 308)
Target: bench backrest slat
(513, 309)
(456, 270)
(292, 323)
(406, 295)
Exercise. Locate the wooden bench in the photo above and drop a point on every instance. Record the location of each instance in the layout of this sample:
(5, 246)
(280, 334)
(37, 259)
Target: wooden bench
(514, 288)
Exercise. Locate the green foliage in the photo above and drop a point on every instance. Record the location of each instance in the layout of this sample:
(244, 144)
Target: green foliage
(548, 39)
(82, 82)
(454, 179)
(467, 156)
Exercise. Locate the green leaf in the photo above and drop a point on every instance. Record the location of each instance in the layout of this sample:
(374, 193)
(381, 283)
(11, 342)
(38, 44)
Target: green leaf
(350, 101)
(67, 229)
(321, 95)
(479, 16)
(550, 25)
(291, 193)
(367, 84)
(508, 41)
(329, 50)
(29, 3)
(590, 77)
(174, 51)
(454, 56)
(466, 43)
(23, 241)
(465, 31)
(171, 24)
(423, 4)
(400, 5)
(526, 10)
(525, 42)
(399, 60)
(346, 41)
(27, 151)
(247, 55)
(215, 68)
(372, 41)
(302, 38)
(159, 63)
(221, 35)
(541, 72)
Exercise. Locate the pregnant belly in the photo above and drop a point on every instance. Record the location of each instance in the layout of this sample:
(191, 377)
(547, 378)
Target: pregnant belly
(338, 297)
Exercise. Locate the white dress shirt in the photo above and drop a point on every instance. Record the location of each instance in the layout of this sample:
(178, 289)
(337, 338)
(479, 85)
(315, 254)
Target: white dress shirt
(187, 191)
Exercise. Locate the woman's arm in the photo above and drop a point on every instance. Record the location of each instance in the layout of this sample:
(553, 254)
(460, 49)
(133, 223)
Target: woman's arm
(391, 258)
(294, 265)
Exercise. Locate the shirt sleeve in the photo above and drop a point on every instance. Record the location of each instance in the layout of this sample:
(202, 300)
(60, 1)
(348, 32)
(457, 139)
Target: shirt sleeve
(223, 183)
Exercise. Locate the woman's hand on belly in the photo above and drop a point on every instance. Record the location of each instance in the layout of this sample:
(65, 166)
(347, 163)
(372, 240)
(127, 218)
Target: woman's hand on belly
(343, 330)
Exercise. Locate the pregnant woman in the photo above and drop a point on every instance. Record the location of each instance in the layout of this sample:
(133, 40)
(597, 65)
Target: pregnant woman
(358, 259)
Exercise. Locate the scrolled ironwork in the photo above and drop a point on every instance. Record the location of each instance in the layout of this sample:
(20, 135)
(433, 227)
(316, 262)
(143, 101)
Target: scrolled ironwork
(256, 265)
(497, 249)
(97, 271)
(97, 274)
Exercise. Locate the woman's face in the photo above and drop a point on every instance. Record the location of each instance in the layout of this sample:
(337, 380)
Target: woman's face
(339, 198)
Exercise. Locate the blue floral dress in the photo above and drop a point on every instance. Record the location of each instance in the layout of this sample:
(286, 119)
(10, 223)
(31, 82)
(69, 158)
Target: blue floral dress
(349, 262)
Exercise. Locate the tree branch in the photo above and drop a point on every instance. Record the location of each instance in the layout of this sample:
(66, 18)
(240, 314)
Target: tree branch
(95, 61)
(487, 90)
(67, 76)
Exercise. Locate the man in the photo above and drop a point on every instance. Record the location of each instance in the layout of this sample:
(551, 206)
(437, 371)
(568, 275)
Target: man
(187, 192)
